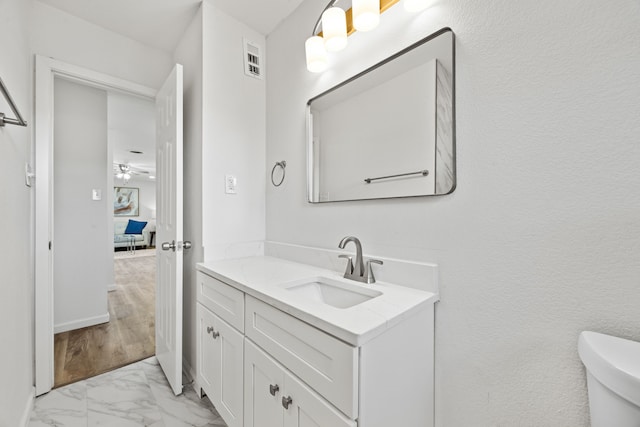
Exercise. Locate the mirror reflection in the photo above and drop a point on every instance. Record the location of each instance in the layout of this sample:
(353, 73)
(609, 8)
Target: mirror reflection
(389, 131)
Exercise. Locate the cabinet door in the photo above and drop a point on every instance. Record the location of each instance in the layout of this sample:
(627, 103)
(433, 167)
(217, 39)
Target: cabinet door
(263, 389)
(207, 363)
(230, 405)
(220, 365)
(308, 409)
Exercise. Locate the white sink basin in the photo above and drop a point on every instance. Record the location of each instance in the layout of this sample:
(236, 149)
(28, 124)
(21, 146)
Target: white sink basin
(331, 292)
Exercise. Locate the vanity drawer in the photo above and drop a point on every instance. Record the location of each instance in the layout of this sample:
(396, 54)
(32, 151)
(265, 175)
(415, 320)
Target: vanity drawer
(225, 301)
(325, 363)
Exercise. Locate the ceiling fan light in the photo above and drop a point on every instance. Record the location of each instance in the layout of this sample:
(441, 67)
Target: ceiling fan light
(366, 14)
(334, 29)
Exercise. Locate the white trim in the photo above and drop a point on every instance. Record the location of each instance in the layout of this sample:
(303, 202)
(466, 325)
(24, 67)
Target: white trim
(46, 70)
(26, 413)
(81, 323)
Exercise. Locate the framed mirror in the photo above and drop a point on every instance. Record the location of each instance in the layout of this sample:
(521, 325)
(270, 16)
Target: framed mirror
(389, 131)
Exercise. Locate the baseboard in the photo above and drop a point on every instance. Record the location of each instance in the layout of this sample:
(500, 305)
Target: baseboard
(81, 323)
(26, 413)
(111, 288)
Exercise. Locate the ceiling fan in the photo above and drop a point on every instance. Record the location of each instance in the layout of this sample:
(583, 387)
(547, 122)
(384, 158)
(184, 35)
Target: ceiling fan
(125, 172)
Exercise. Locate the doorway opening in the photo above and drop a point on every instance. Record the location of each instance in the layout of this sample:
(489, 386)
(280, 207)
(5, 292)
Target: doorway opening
(168, 152)
(105, 264)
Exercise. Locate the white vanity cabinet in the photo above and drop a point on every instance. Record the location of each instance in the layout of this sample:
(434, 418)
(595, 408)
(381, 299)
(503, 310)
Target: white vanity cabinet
(220, 347)
(276, 398)
(265, 362)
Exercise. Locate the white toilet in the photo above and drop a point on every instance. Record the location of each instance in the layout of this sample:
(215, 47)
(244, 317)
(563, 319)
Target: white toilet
(613, 379)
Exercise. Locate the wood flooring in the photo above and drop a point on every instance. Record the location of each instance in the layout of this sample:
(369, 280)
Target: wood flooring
(129, 335)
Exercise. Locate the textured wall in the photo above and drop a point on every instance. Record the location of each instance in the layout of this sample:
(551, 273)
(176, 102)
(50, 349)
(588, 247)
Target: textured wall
(541, 238)
(16, 280)
(233, 137)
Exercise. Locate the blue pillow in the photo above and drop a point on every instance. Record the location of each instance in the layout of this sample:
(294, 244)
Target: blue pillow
(135, 227)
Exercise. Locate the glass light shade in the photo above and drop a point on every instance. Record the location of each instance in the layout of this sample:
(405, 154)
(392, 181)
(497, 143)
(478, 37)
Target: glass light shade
(317, 60)
(366, 14)
(127, 176)
(334, 29)
(416, 5)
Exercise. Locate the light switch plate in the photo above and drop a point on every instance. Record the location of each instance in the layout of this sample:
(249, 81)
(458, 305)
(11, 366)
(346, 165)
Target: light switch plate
(230, 184)
(96, 194)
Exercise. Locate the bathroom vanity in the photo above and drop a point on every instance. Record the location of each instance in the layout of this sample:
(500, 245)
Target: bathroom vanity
(287, 344)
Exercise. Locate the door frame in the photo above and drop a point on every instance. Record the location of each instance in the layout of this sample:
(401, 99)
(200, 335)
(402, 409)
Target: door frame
(46, 70)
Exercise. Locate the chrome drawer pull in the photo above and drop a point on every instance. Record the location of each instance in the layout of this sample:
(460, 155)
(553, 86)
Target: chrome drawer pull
(273, 389)
(213, 333)
(286, 401)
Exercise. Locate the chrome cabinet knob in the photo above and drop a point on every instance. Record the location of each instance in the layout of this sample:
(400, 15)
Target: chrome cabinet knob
(213, 333)
(273, 389)
(186, 245)
(286, 401)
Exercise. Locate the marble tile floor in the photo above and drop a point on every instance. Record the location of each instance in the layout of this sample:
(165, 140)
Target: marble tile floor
(135, 395)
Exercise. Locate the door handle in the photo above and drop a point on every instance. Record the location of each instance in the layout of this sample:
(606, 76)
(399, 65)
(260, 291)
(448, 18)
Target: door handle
(186, 245)
(169, 246)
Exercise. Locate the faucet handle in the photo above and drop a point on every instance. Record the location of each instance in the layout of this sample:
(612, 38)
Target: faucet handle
(349, 270)
(370, 277)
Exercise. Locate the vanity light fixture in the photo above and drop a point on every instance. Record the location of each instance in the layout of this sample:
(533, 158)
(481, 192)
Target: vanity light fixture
(337, 24)
(334, 29)
(317, 58)
(366, 14)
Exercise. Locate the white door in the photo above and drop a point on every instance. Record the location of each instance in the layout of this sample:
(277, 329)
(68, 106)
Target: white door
(169, 228)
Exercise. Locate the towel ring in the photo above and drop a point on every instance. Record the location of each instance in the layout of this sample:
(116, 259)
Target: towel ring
(283, 165)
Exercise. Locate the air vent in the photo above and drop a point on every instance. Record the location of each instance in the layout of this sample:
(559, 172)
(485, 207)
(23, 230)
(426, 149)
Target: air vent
(253, 61)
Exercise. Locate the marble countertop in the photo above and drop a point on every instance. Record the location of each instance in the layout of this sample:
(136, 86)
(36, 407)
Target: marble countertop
(267, 278)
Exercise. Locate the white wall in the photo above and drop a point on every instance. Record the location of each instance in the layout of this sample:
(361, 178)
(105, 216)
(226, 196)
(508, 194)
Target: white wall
(16, 280)
(224, 134)
(540, 239)
(81, 252)
(70, 39)
(147, 197)
(233, 135)
(189, 53)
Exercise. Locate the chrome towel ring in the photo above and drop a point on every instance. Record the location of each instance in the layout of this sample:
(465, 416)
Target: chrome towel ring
(282, 165)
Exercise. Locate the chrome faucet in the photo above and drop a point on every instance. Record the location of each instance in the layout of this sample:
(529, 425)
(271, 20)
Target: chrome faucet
(357, 271)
